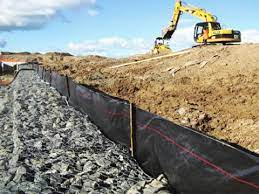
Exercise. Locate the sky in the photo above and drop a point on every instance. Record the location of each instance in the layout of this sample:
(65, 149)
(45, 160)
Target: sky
(113, 28)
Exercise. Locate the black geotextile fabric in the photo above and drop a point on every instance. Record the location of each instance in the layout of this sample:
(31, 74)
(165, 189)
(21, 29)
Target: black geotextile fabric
(47, 76)
(105, 111)
(40, 72)
(192, 162)
(59, 82)
(7, 69)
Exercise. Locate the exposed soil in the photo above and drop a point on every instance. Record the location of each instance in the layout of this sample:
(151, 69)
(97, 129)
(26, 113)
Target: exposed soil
(6, 79)
(214, 89)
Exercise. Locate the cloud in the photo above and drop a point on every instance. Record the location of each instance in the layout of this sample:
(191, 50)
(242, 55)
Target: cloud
(182, 38)
(118, 46)
(2, 43)
(33, 14)
(250, 36)
(187, 21)
(93, 12)
(111, 46)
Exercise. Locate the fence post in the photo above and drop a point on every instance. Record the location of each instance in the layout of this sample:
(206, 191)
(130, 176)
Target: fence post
(68, 89)
(42, 74)
(50, 79)
(132, 129)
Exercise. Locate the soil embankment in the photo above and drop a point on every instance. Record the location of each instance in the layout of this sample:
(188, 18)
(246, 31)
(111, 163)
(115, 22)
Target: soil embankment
(214, 89)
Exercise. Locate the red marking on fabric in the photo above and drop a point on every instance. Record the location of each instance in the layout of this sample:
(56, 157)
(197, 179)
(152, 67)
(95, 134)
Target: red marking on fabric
(116, 114)
(200, 158)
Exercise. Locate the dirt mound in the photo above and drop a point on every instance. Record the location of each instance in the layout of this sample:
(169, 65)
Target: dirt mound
(59, 54)
(214, 89)
(14, 53)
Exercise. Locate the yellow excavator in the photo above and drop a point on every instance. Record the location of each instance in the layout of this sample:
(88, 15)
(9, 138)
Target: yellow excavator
(207, 32)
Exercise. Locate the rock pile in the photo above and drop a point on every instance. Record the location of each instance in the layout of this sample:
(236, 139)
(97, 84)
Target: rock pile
(158, 186)
(48, 147)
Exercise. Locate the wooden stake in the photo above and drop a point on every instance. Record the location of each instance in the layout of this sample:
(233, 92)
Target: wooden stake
(150, 59)
(131, 131)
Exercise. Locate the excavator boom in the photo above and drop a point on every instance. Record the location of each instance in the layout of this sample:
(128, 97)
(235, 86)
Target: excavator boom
(179, 10)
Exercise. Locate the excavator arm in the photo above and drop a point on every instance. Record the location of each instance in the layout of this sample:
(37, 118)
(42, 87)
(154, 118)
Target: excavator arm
(178, 10)
(207, 32)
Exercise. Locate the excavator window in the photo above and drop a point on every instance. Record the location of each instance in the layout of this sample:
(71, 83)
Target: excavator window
(215, 26)
(199, 29)
(159, 41)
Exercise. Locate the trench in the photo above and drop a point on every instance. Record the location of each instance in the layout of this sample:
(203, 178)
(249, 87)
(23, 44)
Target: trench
(46, 146)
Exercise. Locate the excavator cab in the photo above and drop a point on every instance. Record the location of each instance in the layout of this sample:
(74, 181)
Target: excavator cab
(159, 41)
(200, 30)
(211, 32)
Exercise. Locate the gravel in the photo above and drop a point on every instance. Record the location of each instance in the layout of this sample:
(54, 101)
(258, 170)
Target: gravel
(47, 146)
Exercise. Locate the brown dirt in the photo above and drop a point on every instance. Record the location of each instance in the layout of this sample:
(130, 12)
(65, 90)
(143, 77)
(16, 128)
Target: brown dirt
(220, 99)
(6, 79)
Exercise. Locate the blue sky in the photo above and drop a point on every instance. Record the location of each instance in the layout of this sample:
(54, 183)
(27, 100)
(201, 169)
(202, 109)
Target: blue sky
(111, 27)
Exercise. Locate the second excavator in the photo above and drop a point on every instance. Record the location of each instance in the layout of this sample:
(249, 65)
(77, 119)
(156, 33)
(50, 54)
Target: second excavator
(207, 32)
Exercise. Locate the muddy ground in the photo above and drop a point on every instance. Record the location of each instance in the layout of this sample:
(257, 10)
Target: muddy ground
(214, 89)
